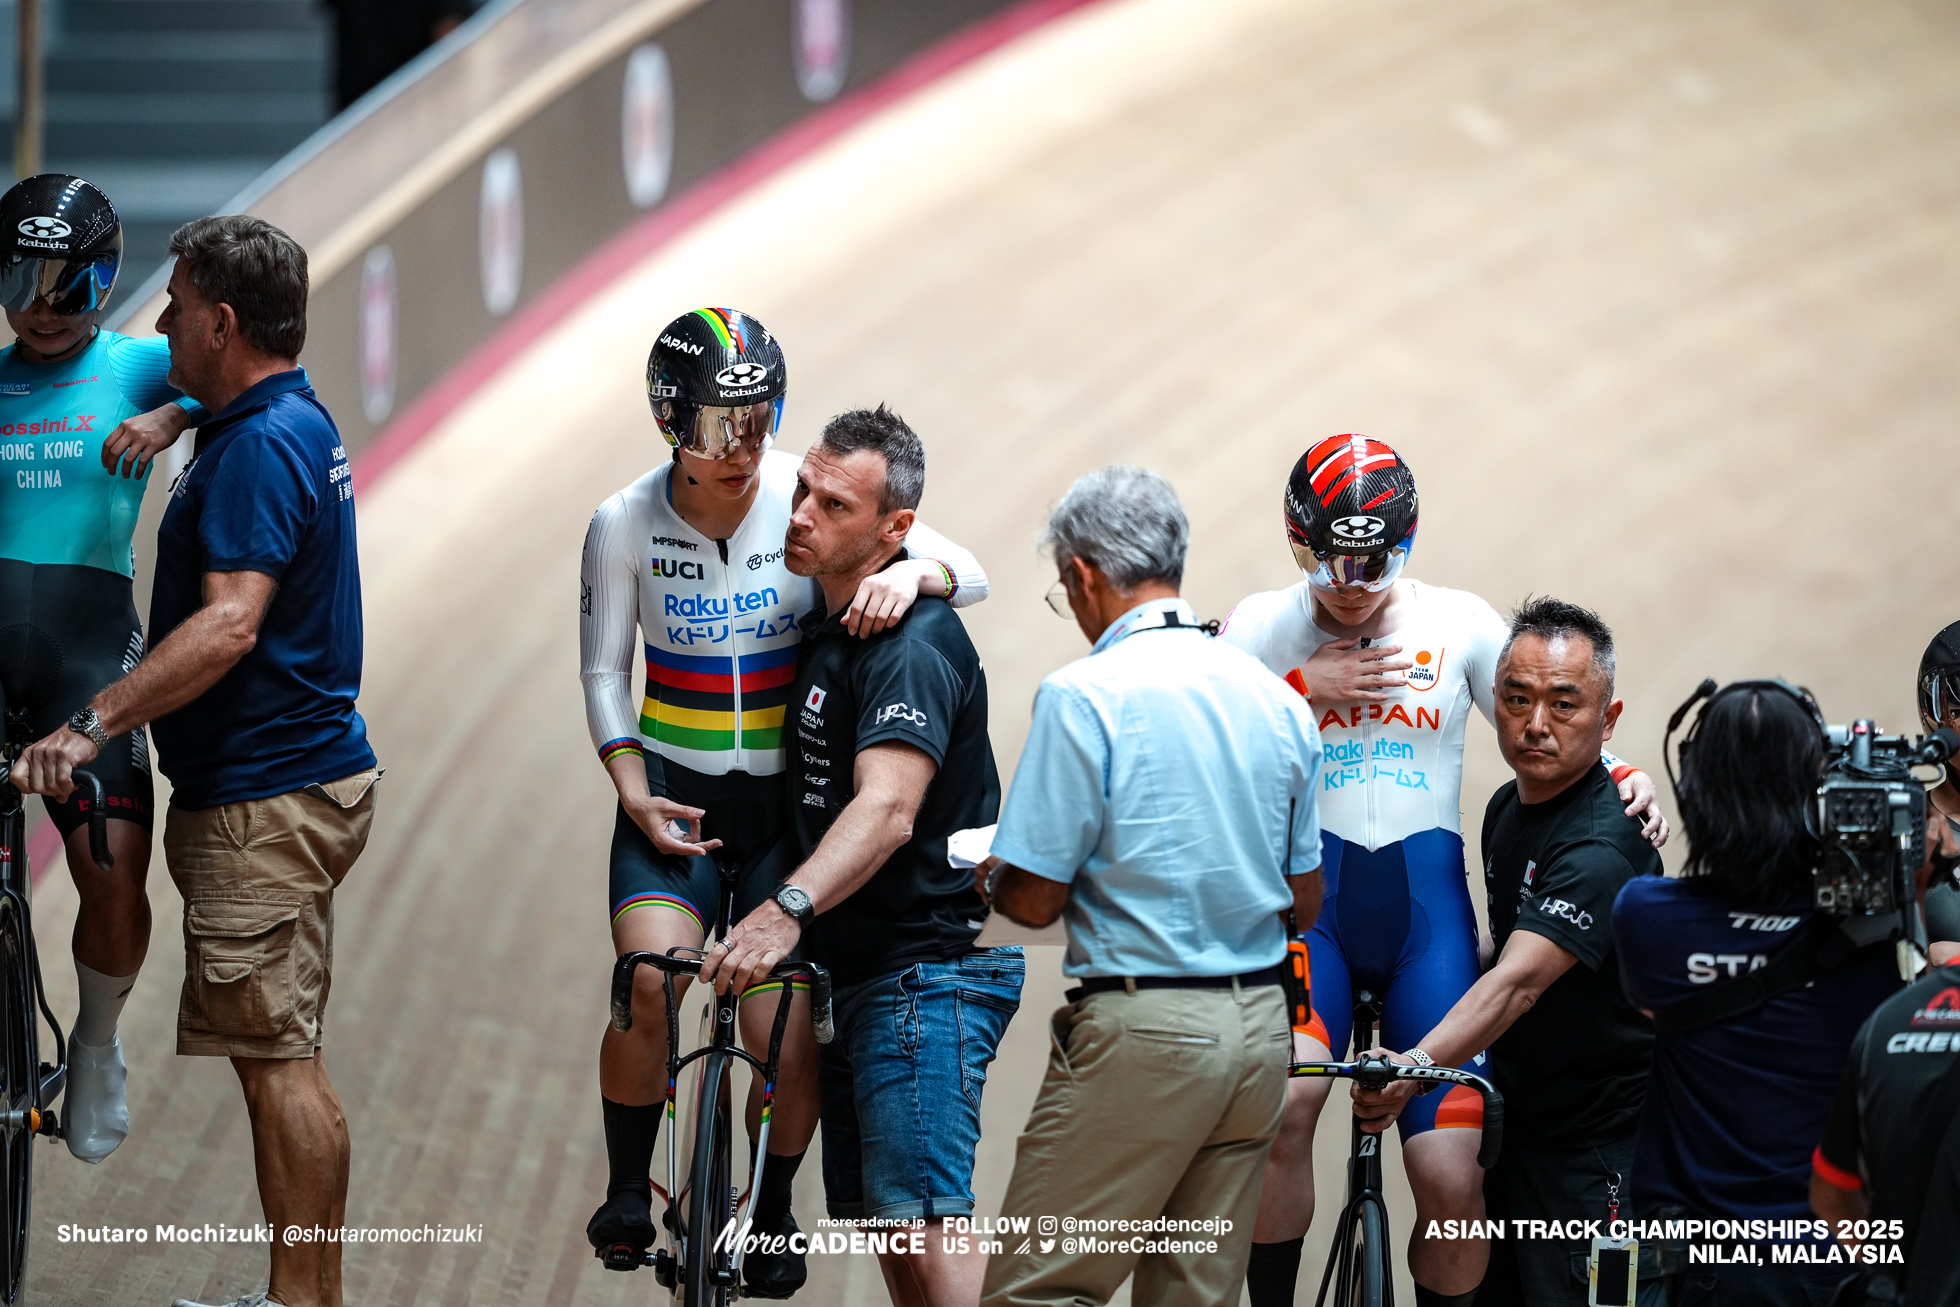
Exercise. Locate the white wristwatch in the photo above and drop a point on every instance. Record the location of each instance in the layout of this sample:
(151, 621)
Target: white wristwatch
(1421, 1058)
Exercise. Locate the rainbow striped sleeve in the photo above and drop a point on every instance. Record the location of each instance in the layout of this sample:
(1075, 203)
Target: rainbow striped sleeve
(612, 748)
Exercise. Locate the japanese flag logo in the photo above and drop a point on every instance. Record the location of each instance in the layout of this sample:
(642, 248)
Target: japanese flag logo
(815, 702)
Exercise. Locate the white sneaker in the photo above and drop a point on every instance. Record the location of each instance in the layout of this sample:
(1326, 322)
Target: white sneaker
(96, 1106)
(258, 1299)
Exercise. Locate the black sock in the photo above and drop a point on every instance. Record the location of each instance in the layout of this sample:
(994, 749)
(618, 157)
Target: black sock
(1270, 1275)
(1430, 1298)
(777, 1176)
(630, 1136)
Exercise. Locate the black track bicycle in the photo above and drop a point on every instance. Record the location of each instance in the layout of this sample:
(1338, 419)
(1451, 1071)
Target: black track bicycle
(703, 1259)
(1360, 1270)
(28, 1086)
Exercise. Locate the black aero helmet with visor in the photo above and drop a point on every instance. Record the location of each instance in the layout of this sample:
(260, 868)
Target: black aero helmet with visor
(1351, 513)
(60, 240)
(715, 380)
(1939, 678)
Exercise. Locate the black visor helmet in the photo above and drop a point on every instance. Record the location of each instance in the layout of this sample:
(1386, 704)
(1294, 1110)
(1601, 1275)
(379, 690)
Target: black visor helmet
(60, 240)
(715, 380)
(1939, 679)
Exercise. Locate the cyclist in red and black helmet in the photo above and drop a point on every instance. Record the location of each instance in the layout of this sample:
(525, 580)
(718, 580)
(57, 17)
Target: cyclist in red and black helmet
(1393, 668)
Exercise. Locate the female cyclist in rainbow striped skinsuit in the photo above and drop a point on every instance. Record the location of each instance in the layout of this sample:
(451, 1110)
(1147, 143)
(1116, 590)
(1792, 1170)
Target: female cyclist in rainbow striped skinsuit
(692, 556)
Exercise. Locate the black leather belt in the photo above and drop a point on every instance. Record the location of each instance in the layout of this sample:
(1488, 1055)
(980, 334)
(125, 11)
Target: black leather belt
(1104, 984)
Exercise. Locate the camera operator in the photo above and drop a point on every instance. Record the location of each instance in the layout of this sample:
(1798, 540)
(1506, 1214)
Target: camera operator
(1891, 1147)
(1738, 1091)
(1939, 705)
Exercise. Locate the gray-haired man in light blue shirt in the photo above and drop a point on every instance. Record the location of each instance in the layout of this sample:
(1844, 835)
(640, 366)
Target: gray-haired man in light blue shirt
(1164, 808)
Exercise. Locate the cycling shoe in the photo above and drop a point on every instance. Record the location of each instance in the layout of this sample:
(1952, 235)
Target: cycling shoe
(773, 1270)
(622, 1230)
(97, 1111)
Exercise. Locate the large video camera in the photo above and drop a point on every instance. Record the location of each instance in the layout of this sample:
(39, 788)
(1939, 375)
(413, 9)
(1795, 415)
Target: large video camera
(1871, 818)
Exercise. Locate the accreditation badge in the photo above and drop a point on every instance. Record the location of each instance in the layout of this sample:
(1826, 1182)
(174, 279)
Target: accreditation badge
(1612, 1272)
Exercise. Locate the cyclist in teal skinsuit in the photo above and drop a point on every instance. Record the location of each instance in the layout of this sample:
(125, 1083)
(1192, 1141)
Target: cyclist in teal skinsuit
(82, 413)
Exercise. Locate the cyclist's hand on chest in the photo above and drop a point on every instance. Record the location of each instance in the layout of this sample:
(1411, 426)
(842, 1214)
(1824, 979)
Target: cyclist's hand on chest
(1341, 672)
(673, 827)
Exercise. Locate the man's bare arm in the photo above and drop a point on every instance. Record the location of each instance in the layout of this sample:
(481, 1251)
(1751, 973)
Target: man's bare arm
(193, 657)
(190, 661)
(1525, 969)
(1027, 899)
(1835, 1204)
(890, 780)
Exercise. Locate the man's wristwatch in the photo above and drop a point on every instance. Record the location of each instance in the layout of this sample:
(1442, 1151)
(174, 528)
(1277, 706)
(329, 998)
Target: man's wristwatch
(796, 904)
(87, 723)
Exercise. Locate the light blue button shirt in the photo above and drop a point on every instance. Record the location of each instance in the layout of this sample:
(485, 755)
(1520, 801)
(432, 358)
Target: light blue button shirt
(1168, 779)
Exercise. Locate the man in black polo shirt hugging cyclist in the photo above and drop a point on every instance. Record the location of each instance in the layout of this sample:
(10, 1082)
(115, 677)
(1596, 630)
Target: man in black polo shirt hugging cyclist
(888, 755)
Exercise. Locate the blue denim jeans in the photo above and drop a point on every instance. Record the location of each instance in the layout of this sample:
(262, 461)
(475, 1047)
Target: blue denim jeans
(902, 1080)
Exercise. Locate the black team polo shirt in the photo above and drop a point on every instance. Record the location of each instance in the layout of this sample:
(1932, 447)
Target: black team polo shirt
(919, 682)
(1573, 1068)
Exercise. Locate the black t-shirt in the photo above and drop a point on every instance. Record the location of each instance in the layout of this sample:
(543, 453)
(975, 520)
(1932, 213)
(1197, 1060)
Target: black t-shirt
(1573, 1068)
(919, 682)
(1887, 1131)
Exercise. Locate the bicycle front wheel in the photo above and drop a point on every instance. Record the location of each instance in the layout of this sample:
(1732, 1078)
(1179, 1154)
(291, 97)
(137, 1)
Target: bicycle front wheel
(711, 1199)
(1371, 1268)
(20, 1055)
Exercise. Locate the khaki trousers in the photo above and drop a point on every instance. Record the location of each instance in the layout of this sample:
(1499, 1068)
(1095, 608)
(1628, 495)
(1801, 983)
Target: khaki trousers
(1160, 1103)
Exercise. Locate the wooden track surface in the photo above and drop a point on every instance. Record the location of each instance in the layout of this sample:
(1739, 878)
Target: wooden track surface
(1659, 298)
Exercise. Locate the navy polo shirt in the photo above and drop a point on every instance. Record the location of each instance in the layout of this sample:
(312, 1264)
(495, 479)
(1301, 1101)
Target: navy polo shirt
(269, 491)
(1732, 1111)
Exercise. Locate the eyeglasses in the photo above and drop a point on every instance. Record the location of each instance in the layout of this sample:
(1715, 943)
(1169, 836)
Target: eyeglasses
(1058, 600)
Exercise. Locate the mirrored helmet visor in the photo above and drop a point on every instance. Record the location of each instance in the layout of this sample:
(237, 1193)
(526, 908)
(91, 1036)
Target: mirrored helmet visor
(712, 431)
(69, 286)
(1939, 696)
(1372, 572)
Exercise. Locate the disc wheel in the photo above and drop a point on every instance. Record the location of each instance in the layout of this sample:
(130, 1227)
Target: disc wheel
(19, 1058)
(710, 1199)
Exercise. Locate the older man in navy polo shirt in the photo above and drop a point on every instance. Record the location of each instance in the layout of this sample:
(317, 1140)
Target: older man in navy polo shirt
(1164, 807)
(251, 698)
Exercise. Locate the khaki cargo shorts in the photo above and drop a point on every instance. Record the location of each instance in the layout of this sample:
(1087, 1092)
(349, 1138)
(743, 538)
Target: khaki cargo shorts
(258, 879)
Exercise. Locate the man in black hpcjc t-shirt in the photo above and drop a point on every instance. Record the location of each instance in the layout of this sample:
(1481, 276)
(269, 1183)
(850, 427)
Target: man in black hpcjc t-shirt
(887, 756)
(1891, 1150)
(1567, 1051)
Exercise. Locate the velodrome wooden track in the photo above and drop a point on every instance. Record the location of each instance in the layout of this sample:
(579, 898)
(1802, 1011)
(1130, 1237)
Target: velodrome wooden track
(1660, 298)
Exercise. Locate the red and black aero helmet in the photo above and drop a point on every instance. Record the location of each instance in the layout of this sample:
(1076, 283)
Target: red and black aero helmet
(715, 379)
(1351, 513)
(59, 238)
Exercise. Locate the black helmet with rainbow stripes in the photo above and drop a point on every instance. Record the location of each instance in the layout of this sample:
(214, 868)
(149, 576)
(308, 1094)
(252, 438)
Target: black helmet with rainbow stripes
(715, 380)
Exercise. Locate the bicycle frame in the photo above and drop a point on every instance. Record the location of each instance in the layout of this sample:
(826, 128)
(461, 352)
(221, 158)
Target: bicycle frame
(1351, 1267)
(27, 1109)
(669, 1265)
